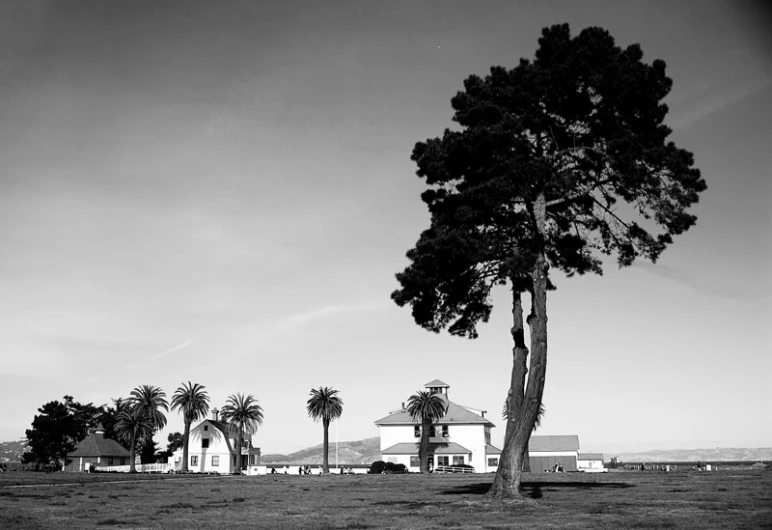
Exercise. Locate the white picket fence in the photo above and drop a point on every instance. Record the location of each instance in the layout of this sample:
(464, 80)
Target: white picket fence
(141, 468)
(453, 469)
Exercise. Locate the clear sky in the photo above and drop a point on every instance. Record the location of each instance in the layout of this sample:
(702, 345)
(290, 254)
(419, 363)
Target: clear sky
(221, 192)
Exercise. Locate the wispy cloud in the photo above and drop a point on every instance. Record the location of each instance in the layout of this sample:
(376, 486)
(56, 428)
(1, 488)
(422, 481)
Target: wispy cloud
(720, 100)
(170, 350)
(293, 321)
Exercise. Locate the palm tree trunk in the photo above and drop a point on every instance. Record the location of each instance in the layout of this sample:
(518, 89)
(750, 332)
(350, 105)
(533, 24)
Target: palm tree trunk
(325, 456)
(132, 453)
(185, 445)
(423, 449)
(239, 443)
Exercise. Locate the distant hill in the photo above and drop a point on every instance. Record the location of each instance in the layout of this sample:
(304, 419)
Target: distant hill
(718, 454)
(12, 451)
(358, 452)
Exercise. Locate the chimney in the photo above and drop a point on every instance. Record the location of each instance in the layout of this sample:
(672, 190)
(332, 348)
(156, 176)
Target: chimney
(215, 414)
(403, 405)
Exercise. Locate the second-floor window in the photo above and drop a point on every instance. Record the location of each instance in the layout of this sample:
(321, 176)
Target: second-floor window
(193, 460)
(417, 431)
(205, 443)
(445, 433)
(215, 461)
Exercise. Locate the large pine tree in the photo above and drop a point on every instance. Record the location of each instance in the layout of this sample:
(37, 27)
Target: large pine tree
(557, 162)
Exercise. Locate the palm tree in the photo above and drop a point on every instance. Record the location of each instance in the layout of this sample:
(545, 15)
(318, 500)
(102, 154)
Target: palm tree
(324, 404)
(133, 425)
(243, 415)
(428, 408)
(151, 400)
(193, 401)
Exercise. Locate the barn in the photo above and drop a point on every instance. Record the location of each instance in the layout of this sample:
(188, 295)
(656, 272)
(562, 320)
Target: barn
(544, 452)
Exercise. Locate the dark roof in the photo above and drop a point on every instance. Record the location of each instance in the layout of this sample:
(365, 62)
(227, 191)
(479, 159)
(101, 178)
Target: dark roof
(591, 456)
(569, 442)
(407, 448)
(96, 444)
(436, 384)
(454, 414)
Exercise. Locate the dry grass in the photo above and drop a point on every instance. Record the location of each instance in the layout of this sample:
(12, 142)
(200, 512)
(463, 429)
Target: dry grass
(649, 500)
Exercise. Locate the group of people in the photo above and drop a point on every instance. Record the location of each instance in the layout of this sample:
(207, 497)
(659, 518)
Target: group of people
(302, 470)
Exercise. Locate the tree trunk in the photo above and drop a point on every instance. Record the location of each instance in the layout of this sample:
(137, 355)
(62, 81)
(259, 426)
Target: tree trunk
(523, 401)
(185, 446)
(423, 448)
(325, 455)
(239, 443)
(132, 453)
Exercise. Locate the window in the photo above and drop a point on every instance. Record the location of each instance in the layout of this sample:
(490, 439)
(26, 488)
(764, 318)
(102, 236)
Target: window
(194, 461)
(110, 461)
(206, 427)
(458, 460)
(487, 435)
(205, 443)
(415, 461)
(493, 462)
(443, 460)
(417, 431)
(445, 433)
(215, 461)
(432, 432)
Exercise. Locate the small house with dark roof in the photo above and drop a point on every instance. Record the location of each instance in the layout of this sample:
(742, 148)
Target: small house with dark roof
(212, 449)
(461, 437)
(96, 450)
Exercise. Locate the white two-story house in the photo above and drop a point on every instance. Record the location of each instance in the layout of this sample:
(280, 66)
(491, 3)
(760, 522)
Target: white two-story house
(461, 437)
(212, 449)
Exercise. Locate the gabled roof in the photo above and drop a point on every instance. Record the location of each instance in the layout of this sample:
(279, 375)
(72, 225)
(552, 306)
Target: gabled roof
(436, 384)
(569, 442)
(490, 450)
(96, 444)
(591, 456)
(455, 414)
(438, 449)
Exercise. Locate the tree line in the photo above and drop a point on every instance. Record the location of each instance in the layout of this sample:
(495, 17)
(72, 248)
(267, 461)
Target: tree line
(133, 421)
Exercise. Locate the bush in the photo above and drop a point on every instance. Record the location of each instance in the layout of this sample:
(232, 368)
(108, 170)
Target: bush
(379, 466)
(376, 468)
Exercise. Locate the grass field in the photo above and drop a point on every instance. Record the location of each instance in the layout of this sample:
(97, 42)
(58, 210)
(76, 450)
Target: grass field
(684, 499)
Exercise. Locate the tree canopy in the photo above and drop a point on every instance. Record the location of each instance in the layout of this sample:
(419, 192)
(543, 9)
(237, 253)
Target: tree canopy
(555, 164)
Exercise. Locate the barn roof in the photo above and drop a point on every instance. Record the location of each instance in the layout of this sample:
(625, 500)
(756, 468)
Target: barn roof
(408, 448)
(455, 414)
(546, 444)
(95, 444)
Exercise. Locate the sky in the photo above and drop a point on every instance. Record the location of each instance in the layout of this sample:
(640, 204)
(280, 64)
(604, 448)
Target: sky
(222, 193)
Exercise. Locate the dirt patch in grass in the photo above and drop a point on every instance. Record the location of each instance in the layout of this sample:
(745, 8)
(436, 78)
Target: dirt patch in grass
(687, 500)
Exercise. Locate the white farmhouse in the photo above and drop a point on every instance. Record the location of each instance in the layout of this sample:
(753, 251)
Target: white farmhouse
(461, 437)
(591, 463)
(212, 449)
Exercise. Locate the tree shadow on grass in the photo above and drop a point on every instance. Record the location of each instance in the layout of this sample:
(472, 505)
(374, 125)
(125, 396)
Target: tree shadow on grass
(533, 489)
